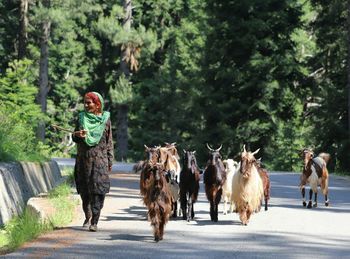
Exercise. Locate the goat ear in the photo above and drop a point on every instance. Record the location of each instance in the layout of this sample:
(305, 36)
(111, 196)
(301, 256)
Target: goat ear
(256, 151)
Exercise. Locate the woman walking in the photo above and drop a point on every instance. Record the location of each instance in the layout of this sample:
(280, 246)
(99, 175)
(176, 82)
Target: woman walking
(93, 135)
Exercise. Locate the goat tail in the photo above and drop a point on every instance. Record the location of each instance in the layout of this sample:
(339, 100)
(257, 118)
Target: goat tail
(325, 156)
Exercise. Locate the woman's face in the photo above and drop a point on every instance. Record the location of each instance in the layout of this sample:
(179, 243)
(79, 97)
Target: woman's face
(90, 106)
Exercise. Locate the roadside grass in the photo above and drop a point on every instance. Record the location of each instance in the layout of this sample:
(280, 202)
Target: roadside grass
(27, 226)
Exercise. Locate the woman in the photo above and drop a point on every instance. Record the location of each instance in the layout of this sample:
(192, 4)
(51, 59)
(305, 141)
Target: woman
(93, 135)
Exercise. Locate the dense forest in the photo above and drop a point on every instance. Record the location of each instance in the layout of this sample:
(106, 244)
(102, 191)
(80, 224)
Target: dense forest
(270, 74)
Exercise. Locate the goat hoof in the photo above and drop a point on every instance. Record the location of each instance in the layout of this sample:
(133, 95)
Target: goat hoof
(326, 204)
(304, 203)
(315, 205)
(309, 206)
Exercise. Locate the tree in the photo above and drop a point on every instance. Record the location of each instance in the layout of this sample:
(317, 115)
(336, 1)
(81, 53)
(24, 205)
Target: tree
(23, 29)
(44, 69)
(252, 76)
(329, 81)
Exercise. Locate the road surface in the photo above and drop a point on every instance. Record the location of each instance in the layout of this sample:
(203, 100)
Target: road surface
(286, 230)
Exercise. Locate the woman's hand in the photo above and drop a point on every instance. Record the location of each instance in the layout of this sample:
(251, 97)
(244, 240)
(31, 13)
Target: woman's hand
(80, 133)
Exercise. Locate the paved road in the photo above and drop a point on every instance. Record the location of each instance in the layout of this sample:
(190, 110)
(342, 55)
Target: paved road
(286, 230)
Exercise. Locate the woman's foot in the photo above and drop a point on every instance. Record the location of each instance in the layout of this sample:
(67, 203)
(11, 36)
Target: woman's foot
(93, 228)
(86, 223)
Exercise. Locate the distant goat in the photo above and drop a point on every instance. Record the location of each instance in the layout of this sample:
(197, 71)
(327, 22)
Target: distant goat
(189, 184)
(315, 173)
(170, 159)
(247, 187)
(265, 180)
(231, 168)
(214, 179)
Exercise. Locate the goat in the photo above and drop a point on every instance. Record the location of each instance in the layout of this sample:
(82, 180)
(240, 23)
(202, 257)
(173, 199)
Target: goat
(265, 180)
(315, 173)
(247, 187)
(214, 179)
(231, 168)
(189, 184)
(155, 192)
(157, 198)
(169, 158)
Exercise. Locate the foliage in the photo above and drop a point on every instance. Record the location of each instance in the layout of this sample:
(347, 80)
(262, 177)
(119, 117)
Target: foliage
(269, 74)
(19, 115)
(22, 229)
(328, 90)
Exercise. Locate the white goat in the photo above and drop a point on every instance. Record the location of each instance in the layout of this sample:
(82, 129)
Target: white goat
(231, 168)
(247, 187)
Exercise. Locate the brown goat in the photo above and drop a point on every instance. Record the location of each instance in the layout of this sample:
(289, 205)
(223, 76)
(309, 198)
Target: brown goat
(315, 173)
(265, 180)
(155, 191)
(214, 179)
(157, 198)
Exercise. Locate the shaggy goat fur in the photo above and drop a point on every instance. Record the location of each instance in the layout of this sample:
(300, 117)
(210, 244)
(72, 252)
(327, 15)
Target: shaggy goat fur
(247, 188)
(231, 168)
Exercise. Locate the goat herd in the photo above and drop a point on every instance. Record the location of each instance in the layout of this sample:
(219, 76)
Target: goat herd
(244, 184)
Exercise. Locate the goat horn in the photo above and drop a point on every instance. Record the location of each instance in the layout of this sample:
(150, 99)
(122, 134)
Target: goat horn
(209, 147)
(166, 143)
(173, 144)
(219, 148)
(245, 151)
(146, 146)
(184, 151)
(256, 151)
(194, 152)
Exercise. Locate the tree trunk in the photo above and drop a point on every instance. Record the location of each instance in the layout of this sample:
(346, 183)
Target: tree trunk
(23, 26)
(44, 71)
(122, 117)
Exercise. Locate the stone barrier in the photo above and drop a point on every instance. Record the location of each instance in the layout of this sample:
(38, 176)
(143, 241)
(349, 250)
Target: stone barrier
(19, 181)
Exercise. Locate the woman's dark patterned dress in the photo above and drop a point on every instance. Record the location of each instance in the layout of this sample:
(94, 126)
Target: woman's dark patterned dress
(91, 166)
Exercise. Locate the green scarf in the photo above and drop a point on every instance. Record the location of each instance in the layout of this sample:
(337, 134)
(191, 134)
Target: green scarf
(94, 124)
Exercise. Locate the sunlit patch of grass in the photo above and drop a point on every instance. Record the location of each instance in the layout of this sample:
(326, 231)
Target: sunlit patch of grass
(27, 226)
(68, 172)
(21, 229)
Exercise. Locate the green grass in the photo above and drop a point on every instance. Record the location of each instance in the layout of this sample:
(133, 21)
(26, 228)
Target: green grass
(69, 173)
(27, 226)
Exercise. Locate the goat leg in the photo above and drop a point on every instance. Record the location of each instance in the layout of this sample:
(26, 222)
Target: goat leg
(189, 209)
(309, 205)
(315, 200)
(326, 201)
(303, 195)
